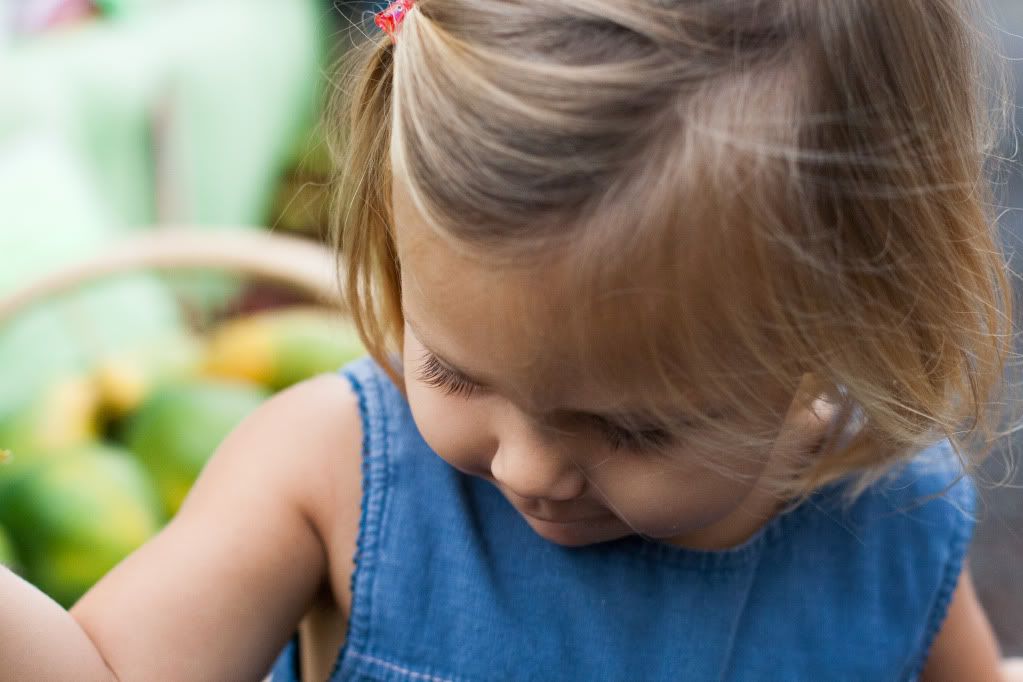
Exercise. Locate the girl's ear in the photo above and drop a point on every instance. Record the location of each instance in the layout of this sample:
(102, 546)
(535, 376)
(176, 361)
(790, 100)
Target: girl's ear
(809, 399)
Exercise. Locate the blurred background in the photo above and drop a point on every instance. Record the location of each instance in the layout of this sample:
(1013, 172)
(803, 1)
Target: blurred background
(996, 556)
(127, 118)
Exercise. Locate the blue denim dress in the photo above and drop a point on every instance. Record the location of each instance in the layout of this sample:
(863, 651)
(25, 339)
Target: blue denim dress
(451, 584)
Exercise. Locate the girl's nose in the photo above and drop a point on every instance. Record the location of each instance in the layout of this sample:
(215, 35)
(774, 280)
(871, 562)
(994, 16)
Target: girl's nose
(537, 474)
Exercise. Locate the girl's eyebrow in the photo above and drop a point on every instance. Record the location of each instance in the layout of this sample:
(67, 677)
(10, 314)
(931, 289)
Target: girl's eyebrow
(632, 419)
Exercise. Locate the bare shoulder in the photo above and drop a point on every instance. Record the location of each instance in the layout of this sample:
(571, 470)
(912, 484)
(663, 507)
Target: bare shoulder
(322, 435)
(965, 648)
(326, 411)
(316, 427)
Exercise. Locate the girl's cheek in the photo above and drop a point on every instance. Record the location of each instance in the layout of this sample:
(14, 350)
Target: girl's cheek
(451, 427)
(670, 499)
(455, 428)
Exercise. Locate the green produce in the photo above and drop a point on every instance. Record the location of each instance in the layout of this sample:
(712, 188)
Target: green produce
(58, 335)
(279, 348)
(76, 515)
(62, 415)
(7, 555)
(125, 379)
(180, 426)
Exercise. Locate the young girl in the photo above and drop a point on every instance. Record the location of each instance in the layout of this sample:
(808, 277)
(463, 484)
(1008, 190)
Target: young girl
(685, 317)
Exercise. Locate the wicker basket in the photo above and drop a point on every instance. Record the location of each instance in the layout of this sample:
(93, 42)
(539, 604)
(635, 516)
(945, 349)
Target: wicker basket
(302, 266)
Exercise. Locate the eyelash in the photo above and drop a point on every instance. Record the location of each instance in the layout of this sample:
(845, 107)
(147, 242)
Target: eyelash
(637, 441)
(436, 375)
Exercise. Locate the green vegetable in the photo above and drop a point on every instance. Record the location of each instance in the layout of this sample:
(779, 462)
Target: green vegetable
(180, 426)
(77, 514)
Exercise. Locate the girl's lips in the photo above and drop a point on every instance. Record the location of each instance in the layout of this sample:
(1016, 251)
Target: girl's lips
(566, 522)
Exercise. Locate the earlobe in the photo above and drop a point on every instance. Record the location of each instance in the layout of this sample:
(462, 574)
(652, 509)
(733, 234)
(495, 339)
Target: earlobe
(808, 423)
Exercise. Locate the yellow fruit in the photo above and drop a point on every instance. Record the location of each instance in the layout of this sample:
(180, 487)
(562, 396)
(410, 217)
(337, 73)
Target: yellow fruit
(279, 348)
(63, 415)
(122, 386)
(242, 349)
(66, 416)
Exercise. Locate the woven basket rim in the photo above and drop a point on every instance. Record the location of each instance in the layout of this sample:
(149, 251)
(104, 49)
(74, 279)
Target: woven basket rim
(307, 266)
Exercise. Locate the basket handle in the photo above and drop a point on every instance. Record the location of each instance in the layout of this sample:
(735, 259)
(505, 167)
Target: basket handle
(305, 265)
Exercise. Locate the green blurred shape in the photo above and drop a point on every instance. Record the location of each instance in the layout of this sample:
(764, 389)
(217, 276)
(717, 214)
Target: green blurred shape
(125, 379)
(60, 416)
(179, 427)
(75, 516)
(52, 218)
(181, 111)
(279, 348)
(8, 557)
(185, 111)
(120, 8)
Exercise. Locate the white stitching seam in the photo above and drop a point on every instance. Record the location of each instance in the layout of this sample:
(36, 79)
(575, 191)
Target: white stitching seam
(397, 668)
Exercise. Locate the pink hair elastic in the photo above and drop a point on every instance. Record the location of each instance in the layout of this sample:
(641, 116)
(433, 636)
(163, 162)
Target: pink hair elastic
(390, 19)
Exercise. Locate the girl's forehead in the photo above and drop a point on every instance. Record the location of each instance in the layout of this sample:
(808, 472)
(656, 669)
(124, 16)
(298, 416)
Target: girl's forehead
(525, 331)
(634, 331)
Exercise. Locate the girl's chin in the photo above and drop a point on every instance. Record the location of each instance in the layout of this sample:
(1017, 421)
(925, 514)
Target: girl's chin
(576, 534)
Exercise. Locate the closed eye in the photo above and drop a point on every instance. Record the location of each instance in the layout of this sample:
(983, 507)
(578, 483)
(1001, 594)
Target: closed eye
(434, 374)
(637, 441)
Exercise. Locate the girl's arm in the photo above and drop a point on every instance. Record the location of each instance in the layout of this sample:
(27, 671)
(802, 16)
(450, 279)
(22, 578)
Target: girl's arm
(965, 648)
(217, 593)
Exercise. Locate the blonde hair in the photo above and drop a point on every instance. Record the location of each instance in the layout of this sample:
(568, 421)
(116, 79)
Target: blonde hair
(797, 190)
